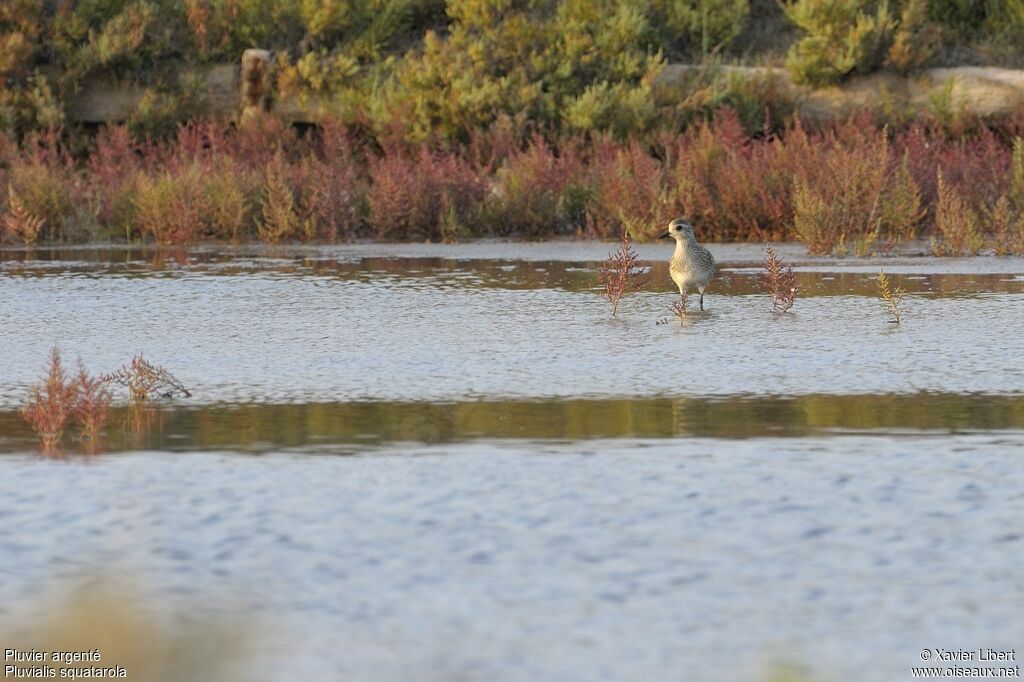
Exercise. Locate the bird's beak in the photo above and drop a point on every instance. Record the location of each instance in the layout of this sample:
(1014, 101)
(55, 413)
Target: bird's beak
(665, 236)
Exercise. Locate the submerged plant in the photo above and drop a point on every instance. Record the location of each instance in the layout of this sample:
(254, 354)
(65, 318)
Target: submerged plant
(891, 297)
(145, 380)
(780, 280)
(620, 273)
(678, 309)
(51, 403)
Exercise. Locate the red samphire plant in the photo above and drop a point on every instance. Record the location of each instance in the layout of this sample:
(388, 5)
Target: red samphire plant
(91, 405)
(780, 281)
(60, 398)
(620, 273)
(51, 403)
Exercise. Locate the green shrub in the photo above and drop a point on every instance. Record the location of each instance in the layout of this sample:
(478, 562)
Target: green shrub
(33, 107)
(1005, 27)
(117, 36)
(160, 113)
(324, 19)
(844, 36)
(916, 39)
(619, 109)
(315, 72)
(708, 25)
(760, 98)
(847, 37)
(960, 15)
(429, 70)
(43, 110)
(21, 26)
(578, 62)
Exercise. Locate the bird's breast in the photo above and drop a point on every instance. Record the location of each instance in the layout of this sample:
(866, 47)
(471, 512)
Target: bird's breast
(691, 267)
(678, 270)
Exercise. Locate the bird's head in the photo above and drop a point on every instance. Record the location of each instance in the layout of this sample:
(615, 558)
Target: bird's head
(679, 229)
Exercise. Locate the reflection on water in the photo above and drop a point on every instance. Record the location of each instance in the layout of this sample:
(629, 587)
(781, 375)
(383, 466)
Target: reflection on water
(346, 427)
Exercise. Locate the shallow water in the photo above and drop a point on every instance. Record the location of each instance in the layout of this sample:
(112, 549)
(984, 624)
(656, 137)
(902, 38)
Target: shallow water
(531, 490)
(409, 329)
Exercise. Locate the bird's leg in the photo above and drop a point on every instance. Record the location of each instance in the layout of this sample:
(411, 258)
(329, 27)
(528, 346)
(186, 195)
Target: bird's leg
(702, 298)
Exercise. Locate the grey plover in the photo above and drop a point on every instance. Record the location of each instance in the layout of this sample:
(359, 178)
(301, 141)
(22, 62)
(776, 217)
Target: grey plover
(692, 265)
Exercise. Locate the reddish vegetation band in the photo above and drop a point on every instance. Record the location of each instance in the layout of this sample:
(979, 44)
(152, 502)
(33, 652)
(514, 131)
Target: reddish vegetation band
(851, 186)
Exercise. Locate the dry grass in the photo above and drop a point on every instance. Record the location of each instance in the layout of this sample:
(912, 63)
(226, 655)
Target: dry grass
(1007, 227)
(679, 308)
(337, 174)
(740, 188)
